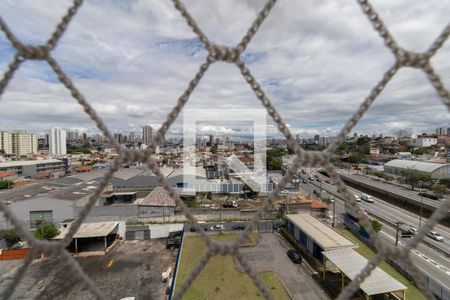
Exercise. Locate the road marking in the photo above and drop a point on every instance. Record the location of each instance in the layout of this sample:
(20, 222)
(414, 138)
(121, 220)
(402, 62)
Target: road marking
(109, 265)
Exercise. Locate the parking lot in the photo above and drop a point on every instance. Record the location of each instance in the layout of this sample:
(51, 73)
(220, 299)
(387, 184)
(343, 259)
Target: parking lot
(132, 270)
(270, 255)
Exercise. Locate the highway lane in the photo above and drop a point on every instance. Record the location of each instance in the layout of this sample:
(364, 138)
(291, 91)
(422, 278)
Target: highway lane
(392, 213)
(432, 262)
(393, 188)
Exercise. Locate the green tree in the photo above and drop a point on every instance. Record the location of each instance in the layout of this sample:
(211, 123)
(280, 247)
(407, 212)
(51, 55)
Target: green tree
(11, 236)
(420, 151)
(6, 184)
(445, 181)
(357, 157)
(413, 178)
(46, 231)
(439, 189)
(274, 158)
(376, 225)
(214, 149)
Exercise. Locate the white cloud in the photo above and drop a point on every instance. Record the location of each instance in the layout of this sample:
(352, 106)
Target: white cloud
(317, 61)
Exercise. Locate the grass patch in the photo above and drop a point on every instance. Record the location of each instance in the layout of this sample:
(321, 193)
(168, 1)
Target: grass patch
(412, 291)
(220, 279)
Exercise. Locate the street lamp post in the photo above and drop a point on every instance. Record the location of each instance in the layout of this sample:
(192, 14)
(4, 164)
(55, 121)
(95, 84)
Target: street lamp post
(334, 212)
(421, 207)
(397, 230)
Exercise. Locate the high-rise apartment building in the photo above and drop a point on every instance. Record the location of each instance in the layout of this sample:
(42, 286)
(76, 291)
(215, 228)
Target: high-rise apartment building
(147, 134)
(132, 138)
(24, 143)
(57, 141)
(443, 131)
(6, 142)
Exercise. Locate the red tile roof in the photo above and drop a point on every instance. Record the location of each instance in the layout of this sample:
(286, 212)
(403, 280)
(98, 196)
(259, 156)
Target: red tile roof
(316, 204)
(6, 174)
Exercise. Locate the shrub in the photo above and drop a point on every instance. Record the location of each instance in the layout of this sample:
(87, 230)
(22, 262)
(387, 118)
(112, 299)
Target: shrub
(12, 237)
(46, 232)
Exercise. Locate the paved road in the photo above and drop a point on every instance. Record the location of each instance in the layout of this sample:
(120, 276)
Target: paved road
(394, 189)
(393, 214)
(270, 255)
(430, 261)
(262, 226)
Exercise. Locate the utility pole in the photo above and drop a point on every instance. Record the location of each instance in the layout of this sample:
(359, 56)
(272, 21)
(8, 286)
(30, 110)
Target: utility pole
(397, 224)
(334, 212)
(421, 206)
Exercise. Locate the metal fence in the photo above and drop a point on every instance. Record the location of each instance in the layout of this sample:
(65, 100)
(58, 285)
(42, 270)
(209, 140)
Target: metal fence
(232, 55)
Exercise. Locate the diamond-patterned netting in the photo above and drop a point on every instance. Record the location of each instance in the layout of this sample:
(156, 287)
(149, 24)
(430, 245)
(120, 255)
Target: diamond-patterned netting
(232, 55)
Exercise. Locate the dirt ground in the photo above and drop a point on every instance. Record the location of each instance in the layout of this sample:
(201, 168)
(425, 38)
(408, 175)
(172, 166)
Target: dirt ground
(132, 270)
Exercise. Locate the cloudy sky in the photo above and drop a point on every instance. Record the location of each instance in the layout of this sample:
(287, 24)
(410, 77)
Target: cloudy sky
(316, 60)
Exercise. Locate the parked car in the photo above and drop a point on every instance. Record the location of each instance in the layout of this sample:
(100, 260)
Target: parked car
(318, 179)
(328, 181)
(357, 198)
(231, 204)
(294, 256)
(238, 227)
(367, 198)
(436, 236)
(217, 227)
(305, 180)
(413, 230)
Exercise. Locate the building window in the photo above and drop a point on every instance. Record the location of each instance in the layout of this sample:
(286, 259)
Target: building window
(40, 217)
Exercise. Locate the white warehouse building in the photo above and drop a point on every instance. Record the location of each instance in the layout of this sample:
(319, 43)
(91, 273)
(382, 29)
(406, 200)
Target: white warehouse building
(435, 170)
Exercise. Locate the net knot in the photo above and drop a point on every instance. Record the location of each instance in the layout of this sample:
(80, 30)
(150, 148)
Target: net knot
(33, 52)
(411, 59)
(224, 53)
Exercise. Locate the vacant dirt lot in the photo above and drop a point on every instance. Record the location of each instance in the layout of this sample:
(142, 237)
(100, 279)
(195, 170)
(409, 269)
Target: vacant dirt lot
(132, 270)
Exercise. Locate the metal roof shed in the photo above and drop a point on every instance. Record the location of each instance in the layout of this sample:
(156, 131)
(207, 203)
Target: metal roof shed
(325, 236)
(350, 263)
(92, 231)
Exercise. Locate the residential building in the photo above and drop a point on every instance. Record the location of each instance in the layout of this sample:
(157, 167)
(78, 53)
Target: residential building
(424, 141)
(119, 138)
(443, 131)
(24, 143)
(57, 142)
(132, 138)
(6, 142)
(147, 134)
(72, 136)
(316, 138)
(30, 168)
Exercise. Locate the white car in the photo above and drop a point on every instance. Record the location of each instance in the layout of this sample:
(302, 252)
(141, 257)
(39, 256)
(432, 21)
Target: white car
(367, 198)
(436, 236)
(217, 227)
(357, 198)
(413, 230)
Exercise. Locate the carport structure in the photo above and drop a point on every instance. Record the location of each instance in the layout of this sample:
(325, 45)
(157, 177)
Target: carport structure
(349, 263)
(93, 237)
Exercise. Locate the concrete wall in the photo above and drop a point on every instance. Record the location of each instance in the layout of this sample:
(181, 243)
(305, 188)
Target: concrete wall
(61, 209)
(110, 210)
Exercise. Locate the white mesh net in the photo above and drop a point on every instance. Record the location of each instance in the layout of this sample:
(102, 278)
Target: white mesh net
(403, 58)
